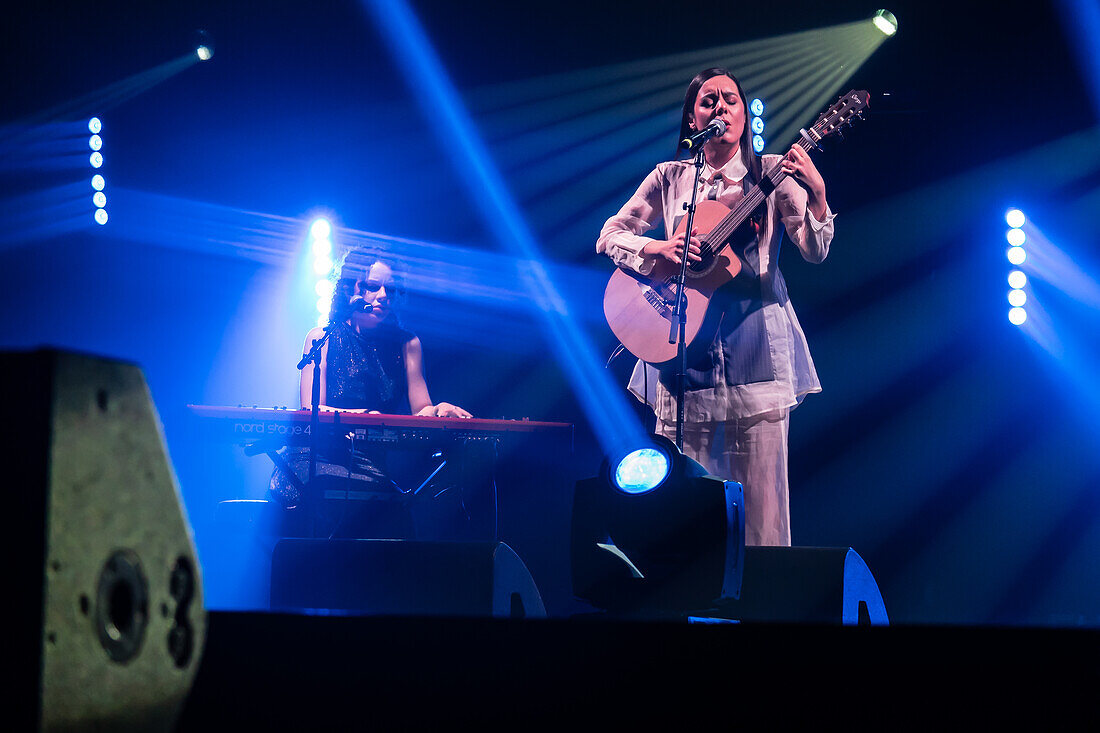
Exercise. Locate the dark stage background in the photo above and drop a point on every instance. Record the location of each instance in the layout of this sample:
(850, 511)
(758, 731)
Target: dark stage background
(950, 449)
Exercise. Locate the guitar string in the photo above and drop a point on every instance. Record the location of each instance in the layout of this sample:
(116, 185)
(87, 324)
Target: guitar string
(726, 227)
(740, 211)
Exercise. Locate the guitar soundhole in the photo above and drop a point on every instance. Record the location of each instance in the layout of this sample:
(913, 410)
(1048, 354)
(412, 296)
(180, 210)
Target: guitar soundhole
(704, 264)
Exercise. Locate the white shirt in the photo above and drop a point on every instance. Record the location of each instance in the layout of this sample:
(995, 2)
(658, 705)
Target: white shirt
(660, 198)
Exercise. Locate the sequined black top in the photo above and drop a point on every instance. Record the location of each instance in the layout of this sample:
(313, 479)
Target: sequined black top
(368, 370)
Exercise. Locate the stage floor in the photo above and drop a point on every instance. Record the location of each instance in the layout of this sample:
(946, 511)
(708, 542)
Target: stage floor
(286, 671)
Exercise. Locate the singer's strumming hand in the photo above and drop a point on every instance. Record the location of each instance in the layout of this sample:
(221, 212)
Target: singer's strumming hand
(671, 249)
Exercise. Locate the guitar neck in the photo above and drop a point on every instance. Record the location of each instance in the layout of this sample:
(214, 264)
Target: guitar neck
(754, 198)
(842, 112)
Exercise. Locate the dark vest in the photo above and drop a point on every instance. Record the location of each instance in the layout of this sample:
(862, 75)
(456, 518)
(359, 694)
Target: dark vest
(368, 371)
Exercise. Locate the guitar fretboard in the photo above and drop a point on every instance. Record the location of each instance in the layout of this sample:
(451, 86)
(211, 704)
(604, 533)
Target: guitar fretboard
(749, 203)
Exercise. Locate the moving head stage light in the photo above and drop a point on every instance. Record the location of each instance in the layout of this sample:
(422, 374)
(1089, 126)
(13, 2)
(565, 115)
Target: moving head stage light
(653, 534)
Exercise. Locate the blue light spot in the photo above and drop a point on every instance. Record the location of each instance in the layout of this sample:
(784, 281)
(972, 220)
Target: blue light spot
(757, 125)
(98, 183)
(320, 229)
(756, 107)
(757, 143)
(94, 125)
(641, 471)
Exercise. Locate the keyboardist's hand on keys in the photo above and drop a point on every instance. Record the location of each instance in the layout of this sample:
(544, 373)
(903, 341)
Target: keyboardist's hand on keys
(443, 409)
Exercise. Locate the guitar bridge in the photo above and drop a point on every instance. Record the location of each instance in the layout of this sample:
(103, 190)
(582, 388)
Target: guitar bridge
(662, 304)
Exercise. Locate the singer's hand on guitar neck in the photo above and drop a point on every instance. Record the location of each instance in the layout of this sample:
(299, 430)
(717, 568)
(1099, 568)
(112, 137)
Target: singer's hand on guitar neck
(671, 249)
(798, 164)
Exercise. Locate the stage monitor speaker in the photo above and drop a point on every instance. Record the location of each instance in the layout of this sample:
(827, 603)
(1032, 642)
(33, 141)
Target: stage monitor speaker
(108, 620)
(823, 585)
(403, 577)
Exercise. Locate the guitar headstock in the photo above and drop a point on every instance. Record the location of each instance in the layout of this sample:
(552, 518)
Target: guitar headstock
(844, 111)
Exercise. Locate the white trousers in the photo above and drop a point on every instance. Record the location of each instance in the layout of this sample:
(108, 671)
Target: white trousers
(752, 451)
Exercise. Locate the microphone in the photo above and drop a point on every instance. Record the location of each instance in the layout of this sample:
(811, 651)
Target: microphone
(717, 128)
(358, 305)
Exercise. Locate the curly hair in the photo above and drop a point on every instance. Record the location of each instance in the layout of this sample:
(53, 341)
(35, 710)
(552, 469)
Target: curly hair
(344, 290)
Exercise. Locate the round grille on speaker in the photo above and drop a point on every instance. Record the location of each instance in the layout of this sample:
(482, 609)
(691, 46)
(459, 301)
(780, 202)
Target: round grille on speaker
(122, 601)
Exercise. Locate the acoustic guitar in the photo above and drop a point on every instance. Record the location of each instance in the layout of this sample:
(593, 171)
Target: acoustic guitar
(641, 308)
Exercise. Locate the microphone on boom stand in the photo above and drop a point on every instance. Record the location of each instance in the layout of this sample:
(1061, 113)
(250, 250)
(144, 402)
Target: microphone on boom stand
(717, 128)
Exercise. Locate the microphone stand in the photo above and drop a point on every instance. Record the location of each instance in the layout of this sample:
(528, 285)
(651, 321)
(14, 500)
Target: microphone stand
(314, 357)
(678, 329)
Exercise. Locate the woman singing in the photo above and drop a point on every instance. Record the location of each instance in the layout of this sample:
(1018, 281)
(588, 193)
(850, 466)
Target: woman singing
(738, 396)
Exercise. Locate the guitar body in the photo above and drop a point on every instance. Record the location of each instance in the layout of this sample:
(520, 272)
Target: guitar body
(640, 308)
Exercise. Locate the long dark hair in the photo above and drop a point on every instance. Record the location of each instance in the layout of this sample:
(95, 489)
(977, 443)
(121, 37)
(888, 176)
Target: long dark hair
(748, 155)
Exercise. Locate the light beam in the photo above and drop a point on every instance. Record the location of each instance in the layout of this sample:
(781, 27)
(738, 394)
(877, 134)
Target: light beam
(614, 424)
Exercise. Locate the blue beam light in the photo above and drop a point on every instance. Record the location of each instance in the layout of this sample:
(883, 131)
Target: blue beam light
(604, 403)
(1081, 20)
(1066, 272)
